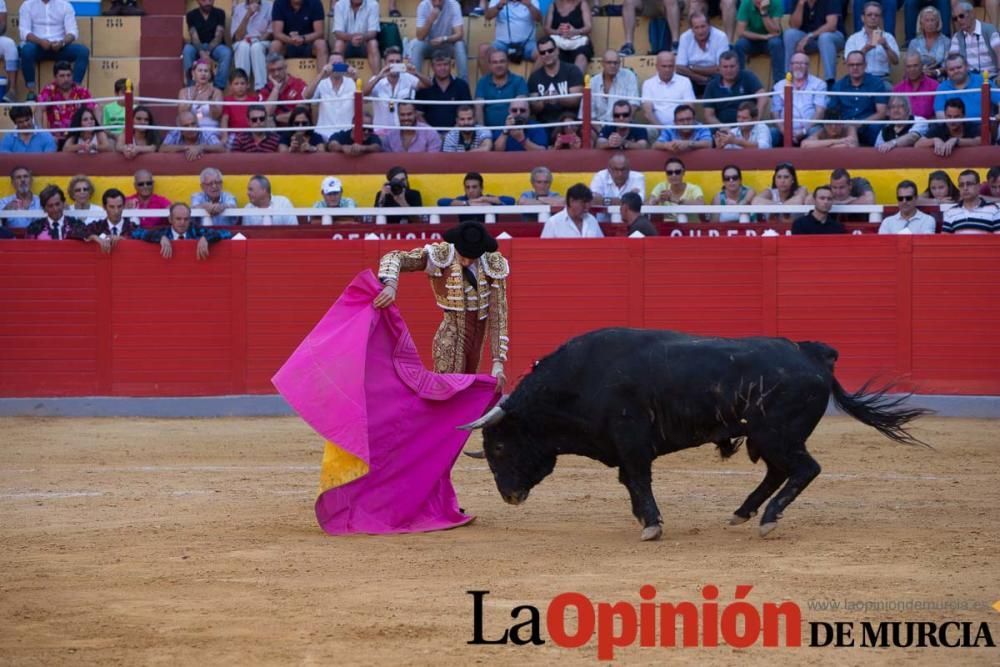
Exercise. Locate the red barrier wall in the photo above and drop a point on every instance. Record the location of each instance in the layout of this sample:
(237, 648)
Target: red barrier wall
(76, 322)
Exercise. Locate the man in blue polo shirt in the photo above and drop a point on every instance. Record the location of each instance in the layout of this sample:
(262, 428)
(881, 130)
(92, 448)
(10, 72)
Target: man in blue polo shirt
(860, 107)
(499, 84)
(960, 79)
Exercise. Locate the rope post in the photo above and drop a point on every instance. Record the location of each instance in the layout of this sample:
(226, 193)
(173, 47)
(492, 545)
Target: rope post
(984, 110)
(129, 113)
(358, 135)
(789, 112)
(585, 127)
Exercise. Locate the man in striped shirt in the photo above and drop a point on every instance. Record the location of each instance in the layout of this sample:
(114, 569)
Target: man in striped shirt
(259, 139)
(973, 214)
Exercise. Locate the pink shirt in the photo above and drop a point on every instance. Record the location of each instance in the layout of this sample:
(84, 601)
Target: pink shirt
(155, 201)
(923, 105)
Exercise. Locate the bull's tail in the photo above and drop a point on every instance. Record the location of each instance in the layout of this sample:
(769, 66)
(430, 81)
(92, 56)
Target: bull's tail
(880, 411)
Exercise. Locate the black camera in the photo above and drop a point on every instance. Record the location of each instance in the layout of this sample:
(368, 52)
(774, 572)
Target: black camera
(396, 188)
(520, 120)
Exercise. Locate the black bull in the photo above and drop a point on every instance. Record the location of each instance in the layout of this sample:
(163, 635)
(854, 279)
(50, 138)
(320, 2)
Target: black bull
(626, 396)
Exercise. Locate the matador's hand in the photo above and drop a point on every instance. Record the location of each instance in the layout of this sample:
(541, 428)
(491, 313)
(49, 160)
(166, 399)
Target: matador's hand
(498, 374)
(386, 297)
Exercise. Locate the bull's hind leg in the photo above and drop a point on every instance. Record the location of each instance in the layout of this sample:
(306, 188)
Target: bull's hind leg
(804, 469)
(639, 483)
(771, 482)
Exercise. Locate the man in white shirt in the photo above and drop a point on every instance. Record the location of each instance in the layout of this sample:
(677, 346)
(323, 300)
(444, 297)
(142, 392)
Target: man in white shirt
(250, 30)
(355, 31)
(10, 57)
(49, 32)
(879, 47)
(808, 102)
(910, 219)
(662, 92)
(335, 93)
(440, 25)
(979, 42)
(608, 185)
(396, 81)
(259, 194)
(699, 50)
(574, 221)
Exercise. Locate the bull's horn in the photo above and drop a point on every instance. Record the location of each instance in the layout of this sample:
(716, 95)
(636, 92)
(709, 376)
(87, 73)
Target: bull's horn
(491, 417)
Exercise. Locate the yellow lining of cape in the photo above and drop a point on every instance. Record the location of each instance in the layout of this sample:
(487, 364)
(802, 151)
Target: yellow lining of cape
(339, 467)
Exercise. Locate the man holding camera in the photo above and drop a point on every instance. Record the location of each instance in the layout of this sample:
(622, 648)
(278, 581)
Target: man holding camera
(396, 81)
(355, 31)
(520, 134)
(333, 89)
(515, 36)
(878, 47)
(440, 25)
(396, 193)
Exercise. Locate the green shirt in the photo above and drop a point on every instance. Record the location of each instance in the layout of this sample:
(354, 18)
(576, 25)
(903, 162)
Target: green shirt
(114, 114)
(749, 14)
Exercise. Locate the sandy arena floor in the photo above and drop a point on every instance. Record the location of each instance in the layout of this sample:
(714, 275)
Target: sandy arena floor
(193, 542)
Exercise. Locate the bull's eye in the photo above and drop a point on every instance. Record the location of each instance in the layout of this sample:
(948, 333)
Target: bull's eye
(498, 449)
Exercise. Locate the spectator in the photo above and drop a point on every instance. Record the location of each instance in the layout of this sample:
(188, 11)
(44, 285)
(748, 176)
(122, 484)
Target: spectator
(234, 116)
(622, 137)
(82, 139)
(618, 83)
(904, 129)
(566, 135)
(991, 188)
(81, 189)
(206, 26)
(444, 88)
(675, 190)
(113, 113)
(663, 92)
(260, 197)
(332, 193)
(190, 140)
(859, 107)
(48, 31)
(699, 51)
(297, 30)
(568, 23)
(973, 215)
(343, 141)
(355, 30)
(945, 137)
(108, 232)
(25, 141)
(820, 220)
(930, 44)
(909, 219)
(499, 84)
(515, 34)
(541, 192)
(832, 134)
(213, 199)
(733, 193)
(9, 56)
(144, 138)
(23, 199)
(396, 193)
(758, 30)
(181, 228)
(145, 198)
(915, 80)
(55, 226)
(124, 8)
(334, 89)
(281, 87)
(847, 190)
(807, 102)
(474, 187)
(521, 133)
(743, 134)
(413, 136)
(941, 191)
(251, 34)
(466, 137)
(62, 89)
(686, 135)
(554, 77)
(631, 212)
(878, 46)
(440, 27)
(609, 185)
(574, 221)
(396, 81)
(731, 81)
(785, 188)
(977, 42)
(966, 84)
(259, 139)
(815, 25)
(858, 10)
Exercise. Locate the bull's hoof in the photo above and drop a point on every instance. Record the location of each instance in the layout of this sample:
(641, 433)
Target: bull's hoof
(650, 533)
(476, 455)
(766, 528)
(736, 519)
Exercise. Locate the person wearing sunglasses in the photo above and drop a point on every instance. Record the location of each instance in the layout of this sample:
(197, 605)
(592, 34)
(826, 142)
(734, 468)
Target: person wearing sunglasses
(259, 139)
(909, 219)
(521, 133)
(145, 198)
(81, 190)
(675, 190)
(619, 135)
(619, 83)
(977, 42)
(303, 139)
(554, 77)
(973, 215)
(214, 199)
(733, 193)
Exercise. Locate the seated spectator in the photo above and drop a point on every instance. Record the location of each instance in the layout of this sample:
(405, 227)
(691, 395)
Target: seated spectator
(540, 192)
(521, 134)
(413, 136)
(847, 190)
(991, 188)
(785, 188)
(832, 134)
(662, 92)
(945, 137)
(814, 25)
(941, 191)
(671, 12)
(474, 187)
(466, 137)
(297, 30)
(397, 81)
(333, 88)
(675, 190)
(731, 81)
(259, 139)
(903, 129)
(113, 113)
(49, 31)
(499, 84)
(55, 226)
(145, 139)
(574, 221)
(82, 139)
(10, 57)
(631, 212)
(281, 87)
(758, 30)
(687, 135)
(206, 26)
(108, 232)
(622, 137)
(743, 135)
(967, 86)
(124, 8)
(440, 27)
(234, 116)
(303, 139)
(62, 89)
(355, 29)
(807, 103)
(515, 31)
(343, 141)
(214, 200)
(81, 190)
(24, 141)
(181, 228)
(567, 135)
(250, 30)
(977, 42)
(396, 193)
(733, 193)
(619, 83)
(259, 196)
(609, 185)
(554, 77)
(859, 107)
(568, 23)
(877, 45)
(197, 96)
(909, 219)
(190, 140)
(930, 44)
(916, 81)
(973, 215)
(444, 88)
(820, 220)
(332, 193)
(699, 51)
(145, 198)
(23, 199)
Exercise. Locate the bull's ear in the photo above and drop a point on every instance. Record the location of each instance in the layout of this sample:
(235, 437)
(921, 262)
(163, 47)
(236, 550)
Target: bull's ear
(491, 417)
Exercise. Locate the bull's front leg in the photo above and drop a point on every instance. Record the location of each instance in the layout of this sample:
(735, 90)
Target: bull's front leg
(638, 480)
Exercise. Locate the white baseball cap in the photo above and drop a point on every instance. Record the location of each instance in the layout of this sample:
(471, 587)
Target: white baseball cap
(330, 185)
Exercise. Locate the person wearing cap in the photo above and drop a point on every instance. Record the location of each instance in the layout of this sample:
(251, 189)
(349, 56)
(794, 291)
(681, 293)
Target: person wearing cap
(333, 197)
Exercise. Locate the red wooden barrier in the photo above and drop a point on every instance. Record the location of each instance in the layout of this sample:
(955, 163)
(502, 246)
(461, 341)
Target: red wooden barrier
(79, 323)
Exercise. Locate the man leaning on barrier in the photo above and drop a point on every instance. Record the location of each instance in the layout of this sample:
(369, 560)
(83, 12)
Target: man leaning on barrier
(109, 232)
(181, 228)
(213, 199)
